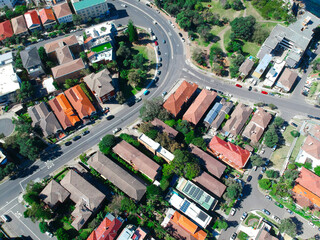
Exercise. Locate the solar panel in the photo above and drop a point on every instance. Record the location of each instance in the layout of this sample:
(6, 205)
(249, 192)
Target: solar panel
(196, 193)
(199, 195)
(203, 216)
(192, 190)
(185, 206)
(207, 199)
(187, 187)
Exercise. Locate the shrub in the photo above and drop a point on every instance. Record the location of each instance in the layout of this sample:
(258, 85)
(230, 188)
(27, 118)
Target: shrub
(164, 184)
(265, 184)
(295, 133)
(152, 133)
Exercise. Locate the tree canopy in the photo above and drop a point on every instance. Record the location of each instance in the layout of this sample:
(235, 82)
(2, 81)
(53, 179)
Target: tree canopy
(265, 184)
(153, 109)
(288, 226)
(271, 137)
(243, 27)
(106, 143)
(132, 32)
(256, 160)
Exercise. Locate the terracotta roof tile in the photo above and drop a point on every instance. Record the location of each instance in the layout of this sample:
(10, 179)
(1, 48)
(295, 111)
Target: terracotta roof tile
(312, 147)
(46, 16)
(67, 68)
(32, 19)
(309, 180)
(62, 10)
(305, 193)
(5, 30)
(107, 229)
(19, 25)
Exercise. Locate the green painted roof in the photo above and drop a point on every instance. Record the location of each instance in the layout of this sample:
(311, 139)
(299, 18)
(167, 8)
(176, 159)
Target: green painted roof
(82, 4)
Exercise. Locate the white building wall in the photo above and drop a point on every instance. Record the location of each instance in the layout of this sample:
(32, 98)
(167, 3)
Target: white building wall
(65, 19)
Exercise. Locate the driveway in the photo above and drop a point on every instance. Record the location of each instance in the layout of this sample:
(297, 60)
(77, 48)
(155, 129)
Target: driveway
(6, 126)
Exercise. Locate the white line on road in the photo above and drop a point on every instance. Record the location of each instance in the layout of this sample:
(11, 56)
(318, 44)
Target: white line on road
(8, 203)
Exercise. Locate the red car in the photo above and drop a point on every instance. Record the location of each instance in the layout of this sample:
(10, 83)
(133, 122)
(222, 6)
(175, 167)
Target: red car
(264, 92)
(156, 43)
(238, 85)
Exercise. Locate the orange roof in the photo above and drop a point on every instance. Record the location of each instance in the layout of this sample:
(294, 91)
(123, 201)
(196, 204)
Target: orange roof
(46, 15)
(5, 30)
(309, 180)
(80, 101)
(298, 189)
(188, 225)
(181, 96)
(63, 111)
(32, 19)
(107, 230)
(88, 39)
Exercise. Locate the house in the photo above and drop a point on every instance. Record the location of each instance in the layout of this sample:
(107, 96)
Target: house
(229, 153)
(5, 30)
(70, 41)
(211, 164)
(200, 106)
(264, 233)
(211, 184)
(130, 185)
(54, 194)
(52, 2)
(246, 67)
(32, 20)
(9, 3)
(137, 159)
(45, 119)
(179, 202)
(64, 112)
(9, 80)
(100, 42)
(306, 191)
(181, 98)
(237, 120)
(80, 102)
(198, 195)
(273, 74)
(181, 228)
(101, 85)
(263, 64)
(68, 70)
(286, 80)
(47, 18)
(90, 8)
(221, 115)
(31, 61)
(310, 150)
(19, 25)
(63, 12)
(87, 198)
(108, 228)
(292, 40)
(132, 232)
(164, 128)
(257, 125)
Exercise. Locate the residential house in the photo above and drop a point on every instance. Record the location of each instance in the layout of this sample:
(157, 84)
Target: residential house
(89, 9)
(87, 198)
(273, 74)
(286, 80)
(257, 125)
(100, 42)
(132, 232)
(19, 25)
(178, 101)
(31, 61)
(264, 233)
(63, 12)
(101, 85)
(68, 70)
(306, 191)
(237, 120)
(52, 2)
(9, 80)
(9, 3)
(229, 153)
(70, 41)
(200, 106)
(181, 228)
(130, 185)
(292, 40)
(310, 150)
(137, 159)
(64, 112)
(32, 20)
(47, 18)
(211, 184)
(54, 194)
(221, 114)
(108, 228)
(45, 119)
(80, 102)
(211, 164)
(164, 128)
(179, 202)
(5, 30)
(261, 68)
(246, 67)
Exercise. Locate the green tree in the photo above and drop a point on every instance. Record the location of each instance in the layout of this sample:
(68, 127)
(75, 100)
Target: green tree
(76, 19)
(69, 83)
(199, 56)
(272, 106)
(199, 142)
(128, 205)
(189, 137)
(233, 190)
(265, 184)
(138, 61)
(278, 121)
(260, 34)
(291, 174)
(26, 91)
(84, 56)
(132, 32)
(120, 97)
(61, 233)
(43, 226)
(123, 51)
(36, 34)
(271, 137)
(237, 5)
(317, 170)
(288, 226)
(153, 109)
(134, 78)
(256, 160)
(191, 170)
(153, 192)
(243, 27)
(272, 174)
(222, 225)
(106, 143)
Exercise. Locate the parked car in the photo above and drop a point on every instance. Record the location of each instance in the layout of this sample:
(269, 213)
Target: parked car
(5, 218)
(164, 41)
(138, 99)
(249, 88)
(266, 211)
(264, 92)
(182, 39)
(277, 219)
(268, 197)
(249, 178)
(311, 224)
(156, 43)
(49, 234)
(289, 211)
(160, 59)
(238, 85)
(130, 103)
(233, 211)
(159, 72)
(278, 204)
(76, 138)
(156, 79)
(146, 92)
(68, 143)
(180, 34)
(234, 236)
(164, 93)
(116, 130)
(260, 176)
(294, 124)
(123, 5)
(263, 169)
(243, 217)
(85, 133)
(110, 117)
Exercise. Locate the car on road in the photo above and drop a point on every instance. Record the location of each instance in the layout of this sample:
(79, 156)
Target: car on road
(116, 130)
(182, 39)
(294, 124)
(159, 72)
(160, 59)
(85, 133)
(146, 92)
(243, 217)
(123, 5)
(264, 92)
(262, 151)
(278, 204)
(277, 219)
(164, 93)
(110, 117)
(268, 197)
(249, 88)
(156, 43)
(249, 178)
(233, 211)
(289, 211)
(164, 41)
(266, 211)
(156, 79)
(238, 85)
(154, 22)
(49, 234)
(138, 99)
(180, 34)
(260, 176)
(76, 138)
(233, 236)
(68, 143)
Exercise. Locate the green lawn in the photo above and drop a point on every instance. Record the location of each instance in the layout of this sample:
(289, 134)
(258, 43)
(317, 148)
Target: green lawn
(252, 11)
(142, 50)
(297, 147)
(215, 30)
(102, 47)
(218, 9)
(226, 39)
(251, 48)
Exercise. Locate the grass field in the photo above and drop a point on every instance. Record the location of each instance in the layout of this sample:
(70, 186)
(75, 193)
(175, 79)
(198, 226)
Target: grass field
(226, 38)
(218, 9)
(297, 147)
(215, 30)
(251, 48)
(102, 47)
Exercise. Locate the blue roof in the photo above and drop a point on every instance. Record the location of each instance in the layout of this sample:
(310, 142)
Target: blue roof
(213, 113)
(263, 63)
(82, 4)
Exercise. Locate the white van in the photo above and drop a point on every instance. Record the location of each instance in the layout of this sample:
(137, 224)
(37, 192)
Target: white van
(208, 88)
(5, 218)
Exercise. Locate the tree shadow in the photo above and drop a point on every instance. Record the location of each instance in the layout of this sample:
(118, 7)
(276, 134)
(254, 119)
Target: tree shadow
(299, 225)
(25, 172)
(247, 189)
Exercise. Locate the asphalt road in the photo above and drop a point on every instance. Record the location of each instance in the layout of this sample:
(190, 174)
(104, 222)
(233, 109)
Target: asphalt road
(174, 67)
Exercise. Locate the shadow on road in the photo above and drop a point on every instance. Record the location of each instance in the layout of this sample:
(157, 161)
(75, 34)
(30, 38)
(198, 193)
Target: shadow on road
(25, 172)
(299, 225)
(50, 153)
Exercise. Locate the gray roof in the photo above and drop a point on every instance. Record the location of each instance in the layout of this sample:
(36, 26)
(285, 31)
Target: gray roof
(6, 58)
(246, 66)
(226, 108)
(53, 193)
(130, 185)
(41, 116)
(100, 83)
(30, 57)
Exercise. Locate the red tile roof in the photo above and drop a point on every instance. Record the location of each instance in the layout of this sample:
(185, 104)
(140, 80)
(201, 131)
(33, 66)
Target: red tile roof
(199, 107)
(32, 18)
(309, 180)
(231, 154)
(210, 183)
(46, 16)
(5, 30)
(107, 230)
(175, 102)
(312, 147)
(80, 101)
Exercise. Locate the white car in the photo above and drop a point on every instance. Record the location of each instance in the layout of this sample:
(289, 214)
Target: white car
(123, 5)
(311, 224)
(233, 211)
(243, 217)
(116, 130)
(277, 219)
